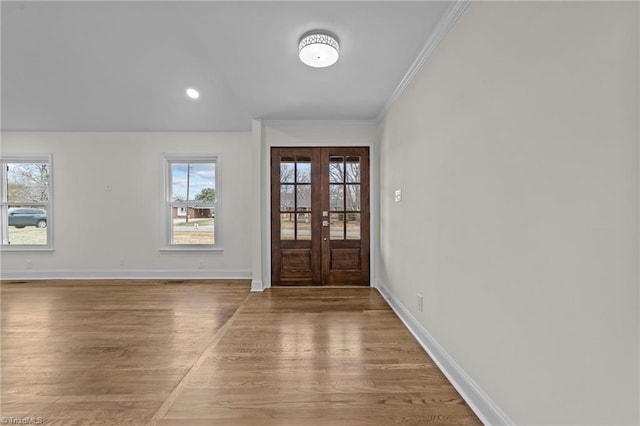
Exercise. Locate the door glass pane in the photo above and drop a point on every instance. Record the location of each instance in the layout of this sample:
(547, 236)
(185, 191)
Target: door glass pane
(303, 170)
(196, 228)
(28, 182)
(287, 170)
(303, 194)
(27, 225)
(353, 197)
(304, 226)
(352, 169)
(287, 226)
(336, 169)
(336, 197)
(336, 226)
(287, 197)
(353, 226)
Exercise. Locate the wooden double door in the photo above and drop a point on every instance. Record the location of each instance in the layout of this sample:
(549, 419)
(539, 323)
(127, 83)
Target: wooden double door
(320, 216)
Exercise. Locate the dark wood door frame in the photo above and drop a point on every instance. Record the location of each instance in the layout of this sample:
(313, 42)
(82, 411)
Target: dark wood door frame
(304, 268)
(310, 253)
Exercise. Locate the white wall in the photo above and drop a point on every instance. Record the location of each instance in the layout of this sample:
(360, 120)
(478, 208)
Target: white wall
(94, 229)
(516, 148)
(319, 133)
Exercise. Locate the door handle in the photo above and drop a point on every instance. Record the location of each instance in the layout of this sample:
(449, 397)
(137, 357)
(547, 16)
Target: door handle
(325, 223)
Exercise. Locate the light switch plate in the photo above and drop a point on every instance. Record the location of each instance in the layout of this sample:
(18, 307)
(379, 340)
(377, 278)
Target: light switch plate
(398, 196)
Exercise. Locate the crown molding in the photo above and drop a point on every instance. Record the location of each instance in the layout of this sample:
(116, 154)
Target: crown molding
(455, 10)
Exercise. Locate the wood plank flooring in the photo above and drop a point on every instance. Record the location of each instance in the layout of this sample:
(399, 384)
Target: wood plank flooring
(211, 353)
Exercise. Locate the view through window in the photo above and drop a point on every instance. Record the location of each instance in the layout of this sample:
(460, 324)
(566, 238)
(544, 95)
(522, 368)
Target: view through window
(192, 201)
(26, 200)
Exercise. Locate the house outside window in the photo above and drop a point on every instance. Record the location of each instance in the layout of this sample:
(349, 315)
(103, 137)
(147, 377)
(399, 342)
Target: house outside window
(25, 203)
(190, 205)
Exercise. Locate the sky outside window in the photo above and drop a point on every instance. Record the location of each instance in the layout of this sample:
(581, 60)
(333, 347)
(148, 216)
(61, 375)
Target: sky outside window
(201, 176)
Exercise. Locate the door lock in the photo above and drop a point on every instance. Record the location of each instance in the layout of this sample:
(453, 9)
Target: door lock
(325, 223)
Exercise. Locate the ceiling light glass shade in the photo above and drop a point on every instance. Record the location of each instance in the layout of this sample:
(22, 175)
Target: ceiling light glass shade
(318, 49)
(193, 93)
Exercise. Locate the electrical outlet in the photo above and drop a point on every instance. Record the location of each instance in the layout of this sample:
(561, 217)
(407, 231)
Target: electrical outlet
(29, 264)
(201, 264)
(121, 262)
(398, 195)
(419, 302)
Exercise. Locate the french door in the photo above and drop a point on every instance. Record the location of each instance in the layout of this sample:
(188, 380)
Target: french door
(320, 216)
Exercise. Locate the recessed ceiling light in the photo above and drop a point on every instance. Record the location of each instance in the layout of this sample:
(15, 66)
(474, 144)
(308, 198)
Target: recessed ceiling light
(193, 93)
(318, 49)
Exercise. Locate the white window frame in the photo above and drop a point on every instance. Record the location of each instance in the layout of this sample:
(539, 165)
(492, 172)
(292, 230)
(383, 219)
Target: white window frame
(167, 204)
(4, 203)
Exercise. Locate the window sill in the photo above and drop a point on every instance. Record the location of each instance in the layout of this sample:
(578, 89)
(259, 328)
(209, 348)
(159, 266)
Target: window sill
(187, 249)
(25, 249)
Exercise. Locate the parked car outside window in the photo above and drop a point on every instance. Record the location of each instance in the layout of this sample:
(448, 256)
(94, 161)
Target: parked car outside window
(21, 217)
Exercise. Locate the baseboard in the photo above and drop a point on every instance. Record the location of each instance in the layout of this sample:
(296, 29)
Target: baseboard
(257, 285)
(125, 274)
(488, 412)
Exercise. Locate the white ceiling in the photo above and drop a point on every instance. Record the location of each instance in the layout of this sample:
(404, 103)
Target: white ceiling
(124, 66)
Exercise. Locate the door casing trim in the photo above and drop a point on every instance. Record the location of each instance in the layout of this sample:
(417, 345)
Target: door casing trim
(371, 141)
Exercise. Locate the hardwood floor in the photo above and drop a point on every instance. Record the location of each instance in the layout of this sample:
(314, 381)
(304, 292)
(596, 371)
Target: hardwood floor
(211, 353)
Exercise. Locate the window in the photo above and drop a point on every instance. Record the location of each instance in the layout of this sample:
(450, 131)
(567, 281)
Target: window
(191, 202)
(25, 206)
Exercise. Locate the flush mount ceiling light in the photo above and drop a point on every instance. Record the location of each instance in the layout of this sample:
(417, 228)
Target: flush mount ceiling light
(319, 49)
(193, 93)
